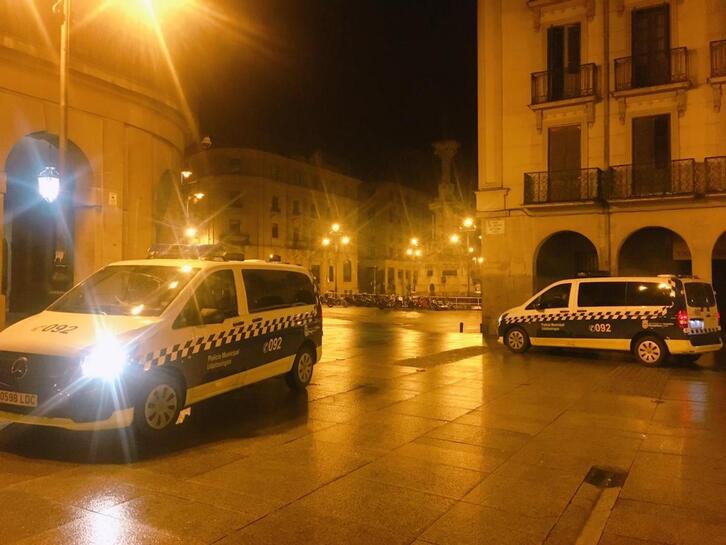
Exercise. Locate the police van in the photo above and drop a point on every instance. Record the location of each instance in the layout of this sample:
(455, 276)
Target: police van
(652, 317)
(139, 341)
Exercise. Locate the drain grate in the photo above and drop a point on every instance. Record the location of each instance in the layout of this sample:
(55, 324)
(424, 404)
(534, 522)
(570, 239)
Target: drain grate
(603, 477)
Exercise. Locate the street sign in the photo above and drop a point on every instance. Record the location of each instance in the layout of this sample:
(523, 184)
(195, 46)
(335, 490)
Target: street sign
(494, 226)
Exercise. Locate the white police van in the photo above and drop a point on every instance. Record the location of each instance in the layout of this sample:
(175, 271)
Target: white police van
(138, 341)
(651, 317)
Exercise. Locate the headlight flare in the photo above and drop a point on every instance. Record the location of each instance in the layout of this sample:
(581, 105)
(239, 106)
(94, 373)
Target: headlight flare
(106, 360)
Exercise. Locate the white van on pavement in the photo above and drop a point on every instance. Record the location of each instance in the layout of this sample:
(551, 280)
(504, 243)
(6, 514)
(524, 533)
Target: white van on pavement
(652, 317)
(138, 341)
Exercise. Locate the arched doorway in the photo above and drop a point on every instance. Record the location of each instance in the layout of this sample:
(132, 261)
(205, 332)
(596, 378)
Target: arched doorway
(38, 235)
(719, 276)
(653, 251)
(564, 255)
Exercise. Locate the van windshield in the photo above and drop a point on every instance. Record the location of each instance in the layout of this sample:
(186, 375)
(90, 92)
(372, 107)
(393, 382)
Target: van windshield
(699, 294)
(126, 290)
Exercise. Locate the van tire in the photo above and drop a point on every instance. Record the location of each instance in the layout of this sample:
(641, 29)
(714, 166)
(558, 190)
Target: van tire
(650, 351)
(158, 405)
(301, 373)
(517, 340)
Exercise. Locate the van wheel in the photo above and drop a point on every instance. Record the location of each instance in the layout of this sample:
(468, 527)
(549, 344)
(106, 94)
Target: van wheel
(301, 373)
(650, 351)
(517, 340)
(159, 404)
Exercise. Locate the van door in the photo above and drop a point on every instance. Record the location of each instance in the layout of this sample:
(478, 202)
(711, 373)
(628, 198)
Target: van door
(214, 311)
(279, 303)
(548, 314)
(598, 322)
(701, 306)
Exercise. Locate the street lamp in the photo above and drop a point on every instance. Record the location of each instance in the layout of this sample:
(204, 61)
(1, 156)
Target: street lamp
(468, 226)
(413, 252)
(49, 184)
(336, 238)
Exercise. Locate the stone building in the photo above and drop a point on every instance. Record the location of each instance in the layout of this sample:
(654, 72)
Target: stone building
(395, 235)
(127, 134)
(602, 141)
(271, 205)
(451, 264)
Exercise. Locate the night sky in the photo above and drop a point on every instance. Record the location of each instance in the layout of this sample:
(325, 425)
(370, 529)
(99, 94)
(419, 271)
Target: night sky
(369, 83)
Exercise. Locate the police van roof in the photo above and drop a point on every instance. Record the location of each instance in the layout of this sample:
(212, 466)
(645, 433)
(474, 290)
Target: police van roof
(206, 263)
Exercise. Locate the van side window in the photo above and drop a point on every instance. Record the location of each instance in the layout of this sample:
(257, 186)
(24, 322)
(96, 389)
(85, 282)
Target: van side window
(267, 289)
(556, 297)
(649, 294)
(212, 302)
(601, 294)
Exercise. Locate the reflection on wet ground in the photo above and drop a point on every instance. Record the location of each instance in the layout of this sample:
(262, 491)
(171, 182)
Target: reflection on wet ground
(410, 431)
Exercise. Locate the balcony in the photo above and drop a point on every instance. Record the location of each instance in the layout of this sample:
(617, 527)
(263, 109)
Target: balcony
(553, 86)
(672, 178)
(564, 186)
(715, 174)
(718, 59)
(652, 70)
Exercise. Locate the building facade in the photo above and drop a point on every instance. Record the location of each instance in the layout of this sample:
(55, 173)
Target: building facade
(602, 142)
(127, 131)
(395, 235)
(270, 205)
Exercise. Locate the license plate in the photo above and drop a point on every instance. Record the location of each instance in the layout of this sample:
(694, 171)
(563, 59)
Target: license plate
(18, 399)
(695, 324)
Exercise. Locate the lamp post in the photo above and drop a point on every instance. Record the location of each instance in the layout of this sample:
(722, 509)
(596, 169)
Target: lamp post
(467, 227)
(62, 10)
(413, 252)
(336, 238)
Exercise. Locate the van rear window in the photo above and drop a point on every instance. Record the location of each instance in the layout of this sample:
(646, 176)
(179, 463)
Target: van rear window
(699, 294)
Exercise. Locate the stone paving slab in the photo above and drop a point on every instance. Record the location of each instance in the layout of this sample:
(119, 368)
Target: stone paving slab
(484, 448)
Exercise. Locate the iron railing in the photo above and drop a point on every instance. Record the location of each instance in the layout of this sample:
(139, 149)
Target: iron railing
(656, 68)
(562, 186)
(553, 85)
(715, 174)
(718, 59)
(651, 180)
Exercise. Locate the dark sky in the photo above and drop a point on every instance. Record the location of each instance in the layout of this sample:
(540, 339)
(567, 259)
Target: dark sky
(370, 83)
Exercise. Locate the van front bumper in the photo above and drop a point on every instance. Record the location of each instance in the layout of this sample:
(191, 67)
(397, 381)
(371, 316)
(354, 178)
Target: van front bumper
(119, 419)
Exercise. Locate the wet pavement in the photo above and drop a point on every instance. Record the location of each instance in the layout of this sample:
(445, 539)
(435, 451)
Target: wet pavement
(411, 433)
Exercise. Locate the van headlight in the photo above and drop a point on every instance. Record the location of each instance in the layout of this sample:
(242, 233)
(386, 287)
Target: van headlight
(106, 360)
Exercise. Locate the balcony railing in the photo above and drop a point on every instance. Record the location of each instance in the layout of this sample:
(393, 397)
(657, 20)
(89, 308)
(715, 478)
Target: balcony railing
(554, 85)
(651, 180)
(715, 174)
(718, 59)
(656, 68)
(562, 186)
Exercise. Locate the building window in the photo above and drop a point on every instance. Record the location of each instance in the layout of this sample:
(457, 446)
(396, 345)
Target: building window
(234, 228)
(275, 204)
(275, 230)
(331, 273)
(450, 272)
(650, 46)
(429, 272)
(296, 207)
(235, 199)
(651, 155)
(347, 271)
(315, 270)
(563, 61)
(295, 236)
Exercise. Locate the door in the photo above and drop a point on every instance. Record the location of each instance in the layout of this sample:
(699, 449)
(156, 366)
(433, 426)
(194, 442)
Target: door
(548, 314)
(651, 46)
(597, 323)
(213, 310)
(277, 301)
(563, 61)
(563, 163)
(651, 155)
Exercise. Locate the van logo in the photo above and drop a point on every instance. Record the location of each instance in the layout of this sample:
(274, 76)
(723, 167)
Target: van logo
(645, 324)
(19, 368)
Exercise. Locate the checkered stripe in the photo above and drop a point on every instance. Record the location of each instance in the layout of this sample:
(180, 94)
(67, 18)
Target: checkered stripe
(601, 315)
(701, 331)
(192, 347)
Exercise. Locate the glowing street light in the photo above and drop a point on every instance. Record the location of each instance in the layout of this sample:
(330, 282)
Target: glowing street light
(199, 196)
(186, 174)
(414, 241)
(409, 251)
(468, 223)
(49, 184)
(455, 239)
(335, 227)
(326, 242)
(345, 240)
(190, 232)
